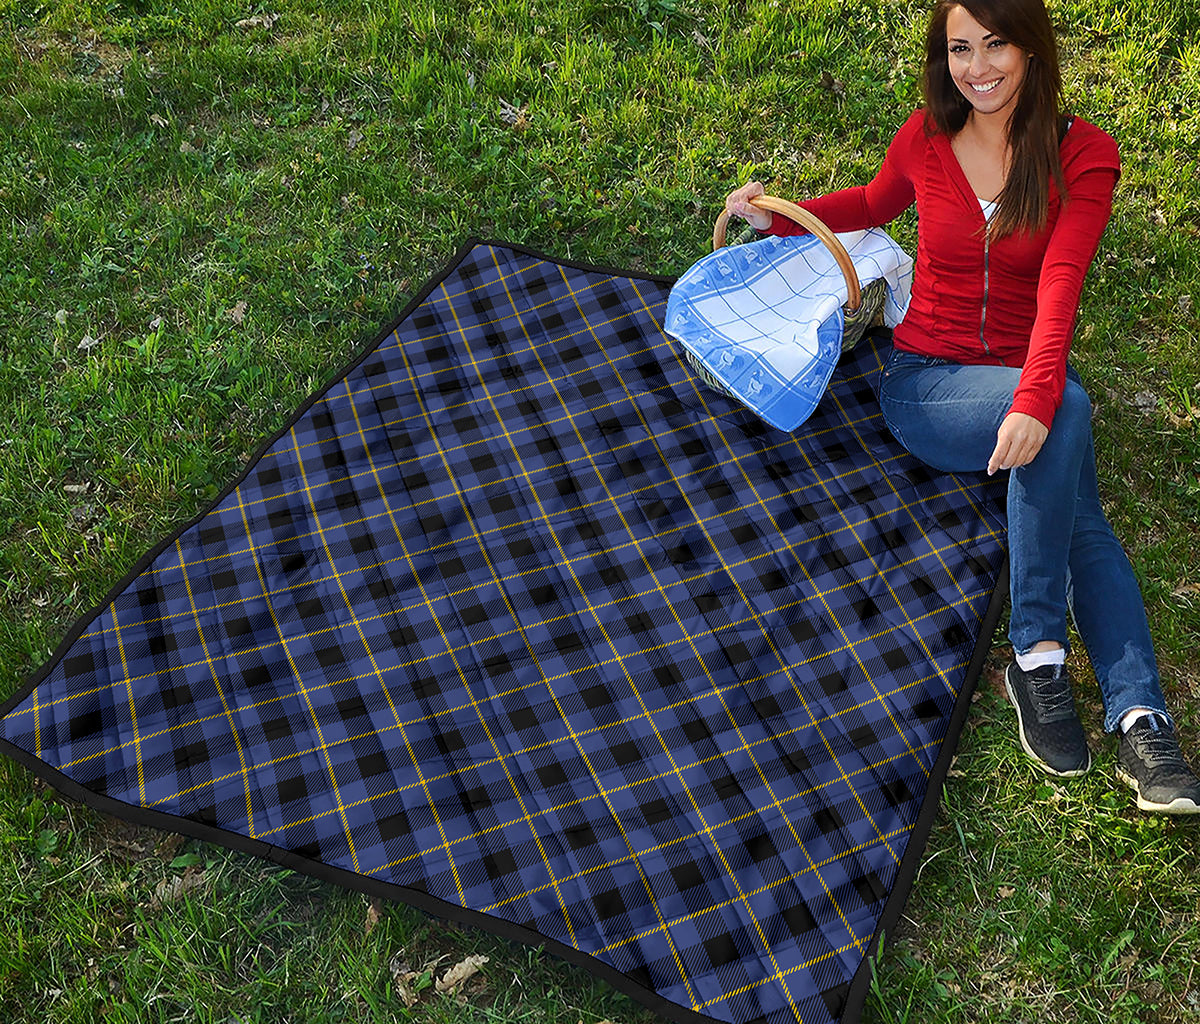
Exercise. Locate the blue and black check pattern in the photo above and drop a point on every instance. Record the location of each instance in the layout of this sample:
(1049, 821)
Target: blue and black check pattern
(520, 615)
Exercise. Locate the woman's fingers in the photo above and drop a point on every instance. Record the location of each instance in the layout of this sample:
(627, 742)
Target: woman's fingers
(999, 457)
(1018, 441)
(747, 191)
(737, 203)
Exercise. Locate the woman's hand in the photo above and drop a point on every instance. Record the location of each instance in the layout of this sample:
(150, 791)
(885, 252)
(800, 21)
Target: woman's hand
(1018, 440)
(737, 204)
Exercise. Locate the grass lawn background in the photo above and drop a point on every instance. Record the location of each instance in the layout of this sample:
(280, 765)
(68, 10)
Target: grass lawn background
(199, 222)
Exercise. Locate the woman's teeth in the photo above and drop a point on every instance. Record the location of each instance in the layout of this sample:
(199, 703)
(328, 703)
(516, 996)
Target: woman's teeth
(986, 88)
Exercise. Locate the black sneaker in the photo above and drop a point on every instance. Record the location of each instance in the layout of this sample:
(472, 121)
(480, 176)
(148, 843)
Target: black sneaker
(1050, 729)
(1149, 760)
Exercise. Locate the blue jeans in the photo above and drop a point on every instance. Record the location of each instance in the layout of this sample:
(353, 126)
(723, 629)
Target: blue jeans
(1062, 552)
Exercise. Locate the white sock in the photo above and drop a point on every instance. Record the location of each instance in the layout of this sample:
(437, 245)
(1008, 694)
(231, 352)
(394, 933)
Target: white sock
(1028, 662)
(1130, 717)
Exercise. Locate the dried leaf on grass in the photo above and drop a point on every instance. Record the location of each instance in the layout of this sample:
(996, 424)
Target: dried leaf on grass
(1145, 401)
(994, 667)
(374, 913)
(1180, 418)
(136, 850)
(238, 313)
(831, 84)
(171, 889)
(257, 21)
(404, 989)
(460, 972)
(514, 116)
(169, 846)
(409, 983)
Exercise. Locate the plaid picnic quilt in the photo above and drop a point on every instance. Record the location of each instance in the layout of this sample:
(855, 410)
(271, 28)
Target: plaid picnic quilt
(517, 621)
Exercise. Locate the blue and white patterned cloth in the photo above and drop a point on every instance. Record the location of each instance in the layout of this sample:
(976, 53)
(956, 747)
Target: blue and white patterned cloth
(766, 318)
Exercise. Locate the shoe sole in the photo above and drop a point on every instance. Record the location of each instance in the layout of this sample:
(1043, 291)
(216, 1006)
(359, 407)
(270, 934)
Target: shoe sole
(1180, 805)
(1072, 773)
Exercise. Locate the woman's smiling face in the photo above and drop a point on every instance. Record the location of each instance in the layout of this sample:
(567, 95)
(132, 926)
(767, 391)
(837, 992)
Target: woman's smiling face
(987, 69)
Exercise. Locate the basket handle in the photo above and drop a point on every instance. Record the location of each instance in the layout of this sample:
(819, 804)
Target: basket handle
(805, 219)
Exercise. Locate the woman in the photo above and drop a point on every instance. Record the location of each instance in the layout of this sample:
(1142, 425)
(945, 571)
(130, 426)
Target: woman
(1012, 198)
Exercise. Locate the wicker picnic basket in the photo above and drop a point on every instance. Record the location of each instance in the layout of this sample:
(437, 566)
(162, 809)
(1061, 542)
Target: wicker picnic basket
(861, 310)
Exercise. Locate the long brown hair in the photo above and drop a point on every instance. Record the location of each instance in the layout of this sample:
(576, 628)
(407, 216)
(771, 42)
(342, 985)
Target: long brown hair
(1036, 123)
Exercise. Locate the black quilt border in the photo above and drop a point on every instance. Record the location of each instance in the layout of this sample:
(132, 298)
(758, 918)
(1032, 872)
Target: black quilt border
(861, 982)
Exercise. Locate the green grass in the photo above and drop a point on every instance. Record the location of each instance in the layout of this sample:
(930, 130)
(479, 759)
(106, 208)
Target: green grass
(160, 167)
